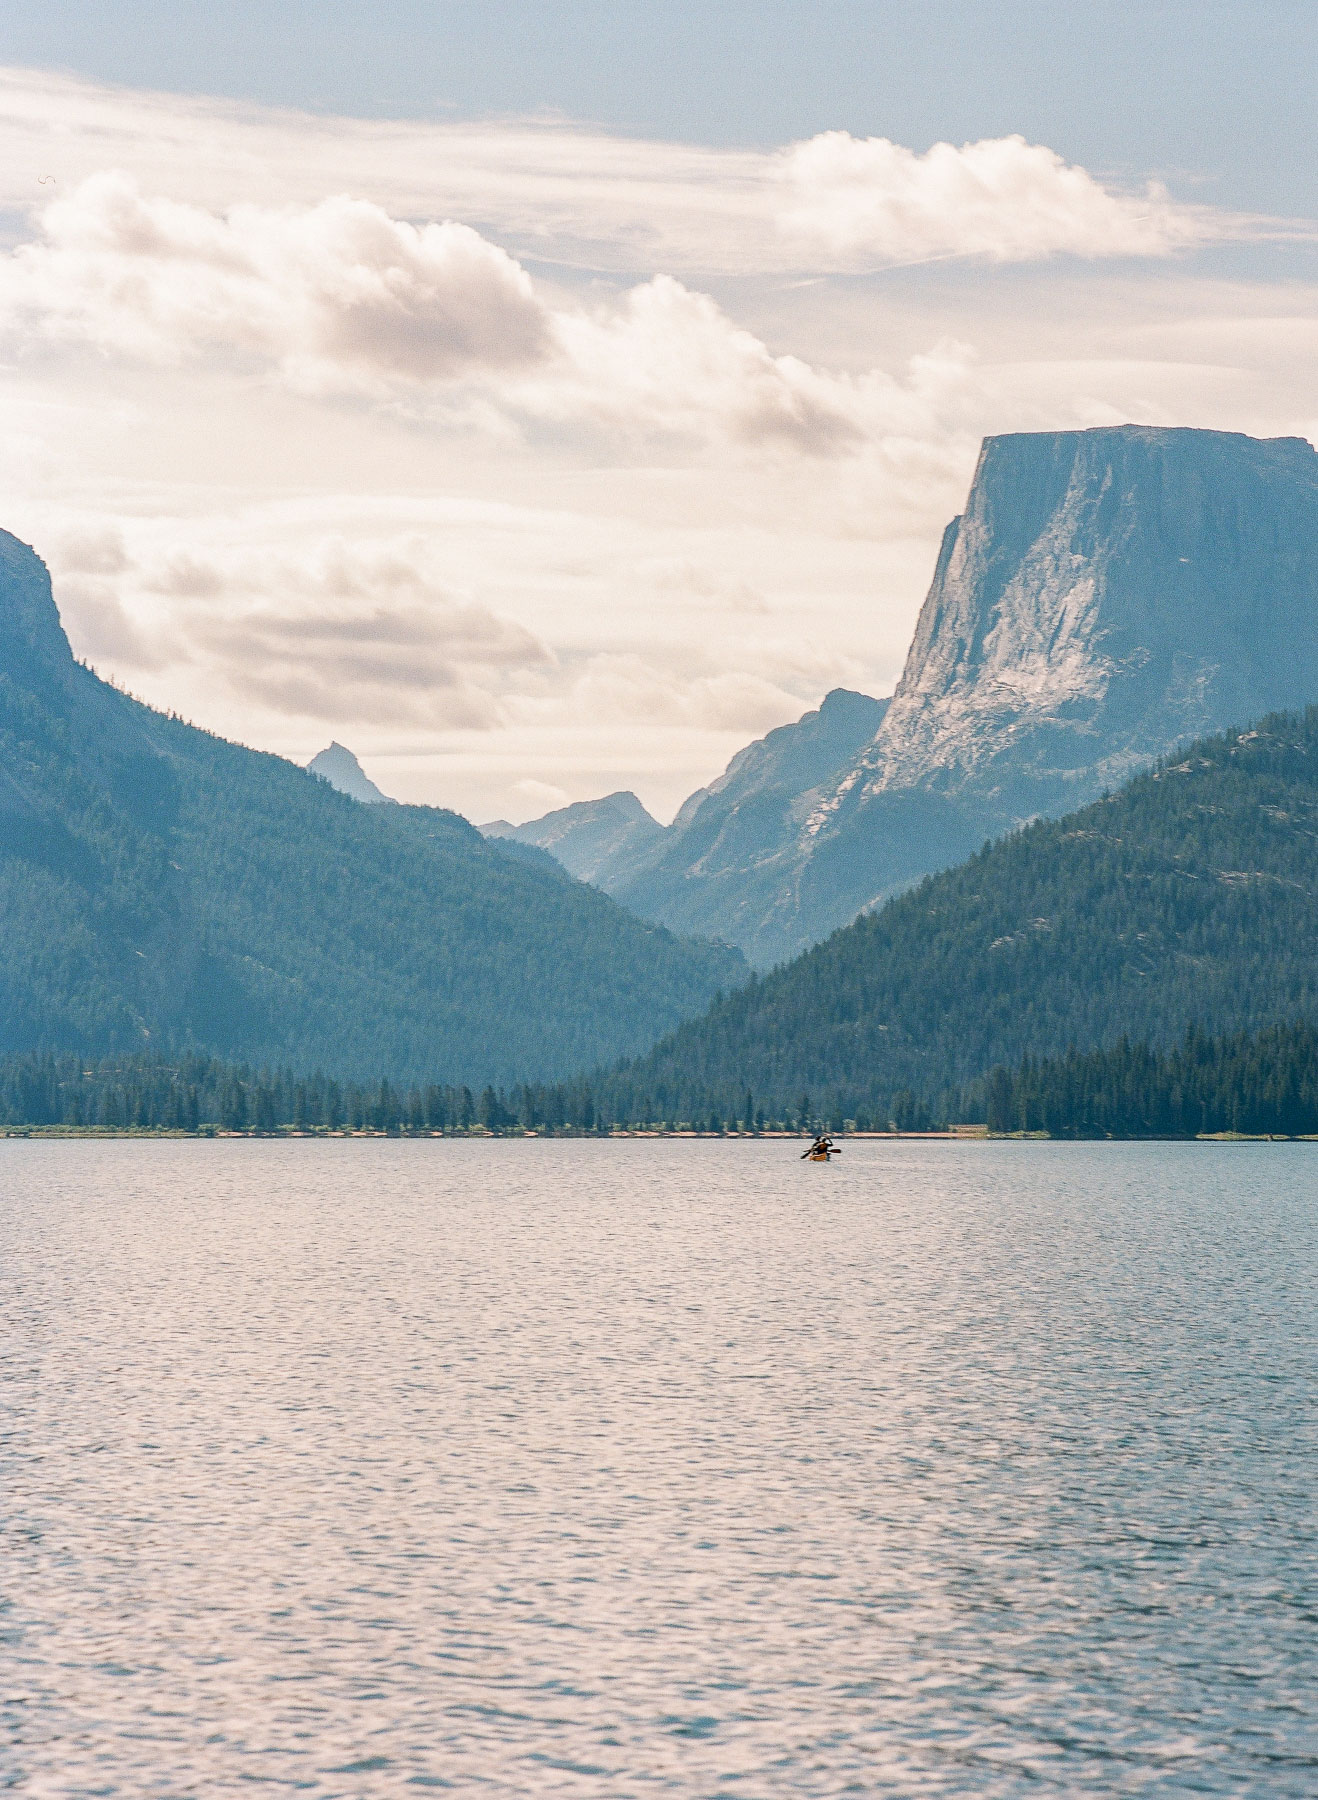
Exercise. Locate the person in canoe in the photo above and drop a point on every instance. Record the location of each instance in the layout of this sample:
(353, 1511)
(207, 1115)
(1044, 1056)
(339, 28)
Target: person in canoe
(822, 1148)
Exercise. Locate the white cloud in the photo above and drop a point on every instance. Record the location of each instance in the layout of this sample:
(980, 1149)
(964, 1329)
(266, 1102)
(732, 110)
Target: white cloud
(870, 201)
(630, 689)
(668, 360)
(564, 193)
(543, 796)
(337, 287)
(339, 296)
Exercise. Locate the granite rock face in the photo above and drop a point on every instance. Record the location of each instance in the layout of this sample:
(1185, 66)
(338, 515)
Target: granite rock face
(1106, 595)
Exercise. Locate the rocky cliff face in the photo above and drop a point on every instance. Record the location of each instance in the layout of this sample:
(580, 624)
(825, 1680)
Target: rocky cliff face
(724, 867)
(1106, 595)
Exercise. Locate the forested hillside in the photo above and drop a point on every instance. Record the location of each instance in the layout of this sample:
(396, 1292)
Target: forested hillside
(1257, 1083)
(161, 888)
(1189, 898)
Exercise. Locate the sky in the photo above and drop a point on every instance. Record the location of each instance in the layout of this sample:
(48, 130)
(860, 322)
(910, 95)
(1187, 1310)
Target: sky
(544, 400)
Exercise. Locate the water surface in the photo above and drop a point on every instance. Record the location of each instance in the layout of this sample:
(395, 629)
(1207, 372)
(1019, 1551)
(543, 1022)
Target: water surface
(622, 1469)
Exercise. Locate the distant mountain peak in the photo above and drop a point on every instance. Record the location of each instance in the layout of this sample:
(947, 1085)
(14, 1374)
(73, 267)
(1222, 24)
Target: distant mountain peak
(340, 768)
(589, 837)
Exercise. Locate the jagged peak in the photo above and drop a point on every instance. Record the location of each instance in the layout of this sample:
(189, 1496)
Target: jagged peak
(337, 765)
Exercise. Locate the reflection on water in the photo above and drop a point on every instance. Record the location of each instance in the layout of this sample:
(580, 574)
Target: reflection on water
(614, 1469)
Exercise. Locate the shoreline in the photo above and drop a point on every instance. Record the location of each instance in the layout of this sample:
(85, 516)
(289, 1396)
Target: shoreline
(960, 1134)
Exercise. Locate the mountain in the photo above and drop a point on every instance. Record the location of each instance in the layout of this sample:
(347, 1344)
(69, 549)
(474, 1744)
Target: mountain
(1105, 595)
(1189, 898)
(591, 839)
(712, 872)
(342, 770)
(716, 871)
(161, 888)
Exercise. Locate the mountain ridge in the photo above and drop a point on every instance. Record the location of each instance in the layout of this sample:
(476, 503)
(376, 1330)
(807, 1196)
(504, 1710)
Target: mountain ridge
(721, 835)
(592, 839)
(162, 886)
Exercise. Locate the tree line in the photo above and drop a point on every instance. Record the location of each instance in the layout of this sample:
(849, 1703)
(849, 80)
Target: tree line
(1256, 1083)
(1262, 1083)
(205, 1094)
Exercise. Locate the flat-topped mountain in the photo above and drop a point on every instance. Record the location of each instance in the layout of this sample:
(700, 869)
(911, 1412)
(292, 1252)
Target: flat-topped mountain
(161, 889)
(1105, 595)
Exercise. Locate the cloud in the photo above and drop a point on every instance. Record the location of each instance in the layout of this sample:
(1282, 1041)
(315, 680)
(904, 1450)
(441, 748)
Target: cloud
(339, 296)
(91, 610)
(566, 194)
(692, 582)
(336, 633)
(631, 689)
(360, 636)
(339, 286)
(868, 200)
(91, 550)
(670, 361)
(541, 794)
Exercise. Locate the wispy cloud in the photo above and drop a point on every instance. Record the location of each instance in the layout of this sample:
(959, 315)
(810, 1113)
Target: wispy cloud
(564, 194)
(332, 631)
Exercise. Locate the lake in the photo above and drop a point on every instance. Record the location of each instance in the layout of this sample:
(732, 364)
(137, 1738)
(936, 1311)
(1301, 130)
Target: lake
(635, 1468)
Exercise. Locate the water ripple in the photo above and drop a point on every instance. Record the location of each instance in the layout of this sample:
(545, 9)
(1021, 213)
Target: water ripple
(622, 1469)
